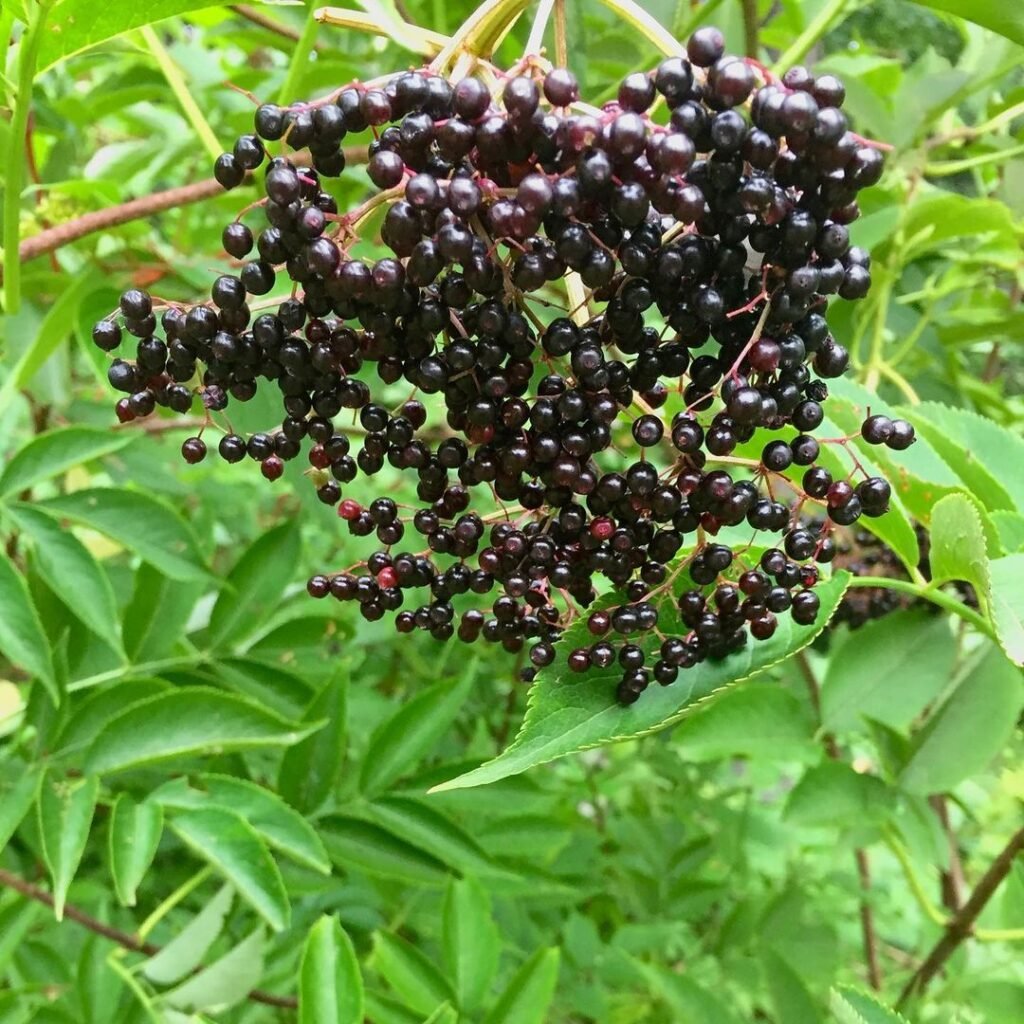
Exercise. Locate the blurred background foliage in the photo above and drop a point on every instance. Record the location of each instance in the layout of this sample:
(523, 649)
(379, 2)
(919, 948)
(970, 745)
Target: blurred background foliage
(712, 873)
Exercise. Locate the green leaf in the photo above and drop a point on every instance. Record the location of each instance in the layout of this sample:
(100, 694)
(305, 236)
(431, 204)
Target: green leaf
(185, 952)
(310, 769)
(570, 714)
(983, 454)
(1007, 580)
(145, 525)
(851, 1006)
(155, 618)
(330, 983)
(748, 721)
(889, 670)
(187, 722)
(472, 942)
(65, 809)
(686, 1000)
(360, 845)
(100, 707)
(1005, 18)
(284, 830)
(235, 849)
(529, 993)
(833, 795)
(135, 830)
(50, 454)
(793, 1003)
(1010, 527)
(225, 982)
(22, 639)
(16, 798)
(76, 25)
(400, 742)
(410, 973)
(254, 586)
(970, 729)
(958, 548)
(71, 572)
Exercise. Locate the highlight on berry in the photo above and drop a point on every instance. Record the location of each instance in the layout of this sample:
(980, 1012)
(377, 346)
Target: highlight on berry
(600, 345)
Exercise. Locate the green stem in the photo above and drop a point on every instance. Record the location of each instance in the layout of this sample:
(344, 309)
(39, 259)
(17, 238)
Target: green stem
(900, 852)
(167, 905)
(817, 27)
(929, 593)
(300, 57)
(947, 167)
(14, 178)
(180, 88)
(144, 668)
(480, 33)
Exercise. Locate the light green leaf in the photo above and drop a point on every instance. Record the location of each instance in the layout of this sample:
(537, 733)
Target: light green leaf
(283, 828)
(851, 1006)
(472, 942)
(410, 973)
(187, 722)
(793, 1003)
(958, 550)
(1005, 18)
(185, 952)
(22, 639)
(889, 670)
(101, 706)
(145, 525)
(686, 1000)
(254, 586)
(235, 849)
(970, 729)
(310, 769)
(1010, 527)
(225, 982)
(529, 993)
(362, 846)
(330, 983)
(748, 721)
(71, 572)
(833, 795)
(65, 810)
(1007, 579)
(400, 742)
(16, 797)
(135, 830)
(568, 714)
(53, 453)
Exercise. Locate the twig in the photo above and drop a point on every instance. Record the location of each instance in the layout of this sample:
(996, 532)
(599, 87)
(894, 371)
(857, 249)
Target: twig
(953, 883)
(123, 939)
(963, 924)
(270, 24)
(867, 918)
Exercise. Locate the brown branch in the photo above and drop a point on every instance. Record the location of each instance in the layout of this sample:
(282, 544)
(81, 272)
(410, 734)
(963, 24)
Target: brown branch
(953, 883)
(750, 27)
(867, 917)
(123, 939)
(963, 924)
(270, 24)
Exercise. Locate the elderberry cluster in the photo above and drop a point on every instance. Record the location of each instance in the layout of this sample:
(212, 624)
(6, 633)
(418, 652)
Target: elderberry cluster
(599, 311)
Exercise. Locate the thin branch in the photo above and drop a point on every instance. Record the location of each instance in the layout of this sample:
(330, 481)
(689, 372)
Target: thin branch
(867, 917)
(963, 924)
(270, 24)
(953, 883)
(123, 939)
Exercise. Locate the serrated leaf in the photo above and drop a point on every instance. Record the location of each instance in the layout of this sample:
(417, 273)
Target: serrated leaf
(310, 769)
(958, 547)
(401, 741)
(71, 572)
(235, 849)
(888, 670)
(148, 526)
(574, 713)
(330, 982)
(1006, 19)
(970, 728)
(410, 973)
(155, 618)
(53, 453)
(851, 1006)
(254, 586)
(832, 794)
(187, 722)
(100, 707)
(1007, 582)
(185, 952)
(528, 995)
(22, 639)
(225, 982)
(283, 828)
(472, 942)
(135, 830)
(65, 809)
(360, 845)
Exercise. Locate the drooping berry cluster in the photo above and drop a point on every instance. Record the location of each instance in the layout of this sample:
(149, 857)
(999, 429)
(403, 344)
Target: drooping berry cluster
(598, 311)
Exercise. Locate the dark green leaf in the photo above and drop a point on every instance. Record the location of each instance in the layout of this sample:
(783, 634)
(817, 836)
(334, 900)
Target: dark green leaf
(65, 808)
(16, 797)
(48, 455)
(187, 722)
(330, 983)
(359, 845)
(22, 639)
(529, 993)
(155, 617)
(410, 973)
(570, 714)
(135, 830)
